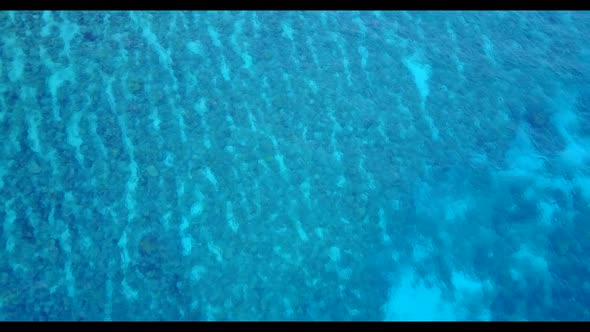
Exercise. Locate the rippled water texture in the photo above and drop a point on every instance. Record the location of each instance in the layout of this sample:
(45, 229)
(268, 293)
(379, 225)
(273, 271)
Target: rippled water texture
(294, 165)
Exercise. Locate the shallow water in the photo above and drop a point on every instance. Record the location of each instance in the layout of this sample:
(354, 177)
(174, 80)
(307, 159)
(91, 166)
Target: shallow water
(294, 165)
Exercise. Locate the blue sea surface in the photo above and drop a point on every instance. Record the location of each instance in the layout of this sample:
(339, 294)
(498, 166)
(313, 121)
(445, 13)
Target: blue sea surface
(260, 165)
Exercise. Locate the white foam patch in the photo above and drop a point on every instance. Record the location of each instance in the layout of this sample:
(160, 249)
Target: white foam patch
(412, 300)
(456, 209)
(211, 313)
(255, 22)
(55, 82)
(288, 309)
(341, 182)
(93, 125)
(488, 49)
(155, 118)
(424, 198)
(197, 272)
(305, 188)
(287, 31)
(10, 217)
(345, 63)
(336, 127)
(65, 243)
(383, 225)
(252, 122)
(67, 31)
(53, 161)
(70, 280)
(523, 159)
(470, 291)
(210, 176)
(131, 187)
(225, 72)
(241, 51)
(364, 53)
(334, 254)
(166, 220)
(565, 118)
(86, 243)
(525, 164)
(280, 159)
(49, 23)
(528, 258)
(247, 59)
(313, 86)
(300, 231)
(130, 293)
(73, 132)
(33, 219)
(561, 184)
(465, 283)
(421, 72)
(314, 55)
(421, 250)
(216, 251)
(201, 106)
(163, 54)
(122, 244)
(33, 117)
(214, 35)
(198, 206)
(181, 125)
(169, 160)
(576, 154)
(433, 129)
(196, 47)
(458, 64)
(179, 189)
(319, 232)
(17, 67)
(230, 217)
(109, 93)
(186, 239)
(370, 178)
(548, 210)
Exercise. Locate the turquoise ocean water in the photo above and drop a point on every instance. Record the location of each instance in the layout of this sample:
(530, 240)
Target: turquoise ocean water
(294, 165)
